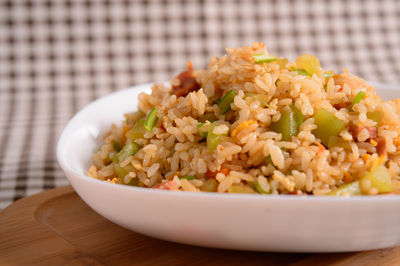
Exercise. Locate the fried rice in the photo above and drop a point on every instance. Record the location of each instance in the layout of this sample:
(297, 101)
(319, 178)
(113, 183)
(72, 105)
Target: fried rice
(255, 123)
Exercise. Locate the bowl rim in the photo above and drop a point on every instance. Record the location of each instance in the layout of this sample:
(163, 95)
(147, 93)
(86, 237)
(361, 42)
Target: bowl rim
(64, 139)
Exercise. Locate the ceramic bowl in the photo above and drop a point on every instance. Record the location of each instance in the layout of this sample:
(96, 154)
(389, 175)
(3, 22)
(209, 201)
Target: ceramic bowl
(284, 223)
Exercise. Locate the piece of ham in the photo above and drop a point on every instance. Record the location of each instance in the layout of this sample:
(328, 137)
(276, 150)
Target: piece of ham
(380, 146)
(372, 131)
(185, 82)
(170, 185)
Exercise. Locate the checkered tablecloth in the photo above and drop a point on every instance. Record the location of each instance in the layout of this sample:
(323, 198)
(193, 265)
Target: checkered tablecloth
(56, 56)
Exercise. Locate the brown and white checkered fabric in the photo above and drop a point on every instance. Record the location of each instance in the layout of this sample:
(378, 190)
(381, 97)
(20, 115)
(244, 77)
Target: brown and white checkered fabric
(56, 56)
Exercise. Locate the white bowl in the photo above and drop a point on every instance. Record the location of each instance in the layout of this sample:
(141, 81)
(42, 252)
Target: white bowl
(241, 221)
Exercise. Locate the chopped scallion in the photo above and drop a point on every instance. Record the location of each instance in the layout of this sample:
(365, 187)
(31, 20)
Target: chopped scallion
(188, 177)
(224, 103)
(151, 120)
(300, 71)
(128, 150)
(212, 139)
(263, 58)
(328, 75)
(357, 99)
(202, 132)
(258, 188)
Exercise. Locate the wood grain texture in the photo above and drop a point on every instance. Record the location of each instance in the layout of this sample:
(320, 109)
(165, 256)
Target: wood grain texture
(57, 228)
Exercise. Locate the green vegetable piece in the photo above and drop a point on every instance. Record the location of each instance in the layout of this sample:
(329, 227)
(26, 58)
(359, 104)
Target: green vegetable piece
(224, 103)
(357, 99)
(337, 141)
(282, 62)
(263, 58)
(286, 125)
(128, 150)
(208, 117)
(328, 75)
(261, 98)
(310, 64)
(298, 116)
(134, 182)
(120, 171)
(201, 130)
(241, 189)
(327, 125)
(258, 188)
(375, 116)
(212, 139)
(137, 131)
(188, 177)
(351, 189)
(300, 71)
(380, 179)
(151, 120)
(210, 185)
(116, 146)
(268, 160)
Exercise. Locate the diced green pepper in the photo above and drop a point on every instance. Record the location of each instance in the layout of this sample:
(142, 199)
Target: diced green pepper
(210, 185)
(286, 125)
(120, 171)
(151, 120)
(224, 103)
(188, 177)
(208, 117)
(337, 141)
(380, 179)
(327, 125)
(351, 189)
(201, 131)
(357, 99)
(282, 62)
(212, 139)
(128, 150)
(137, 131)
(258, 188)
(298, 116)
(309, 63)
(240, 189)
(375, 116)
(263, 58)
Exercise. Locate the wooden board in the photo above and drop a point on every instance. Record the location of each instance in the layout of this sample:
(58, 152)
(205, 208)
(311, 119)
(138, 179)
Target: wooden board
(57, 228)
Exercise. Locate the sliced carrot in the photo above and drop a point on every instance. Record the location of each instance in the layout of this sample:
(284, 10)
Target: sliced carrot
(210, 174)
(321, 147)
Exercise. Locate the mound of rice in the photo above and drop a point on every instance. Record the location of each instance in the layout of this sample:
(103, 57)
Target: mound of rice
(255, 123)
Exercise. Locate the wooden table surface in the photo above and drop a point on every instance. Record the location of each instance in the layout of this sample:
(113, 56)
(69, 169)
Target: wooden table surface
(57, 228)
